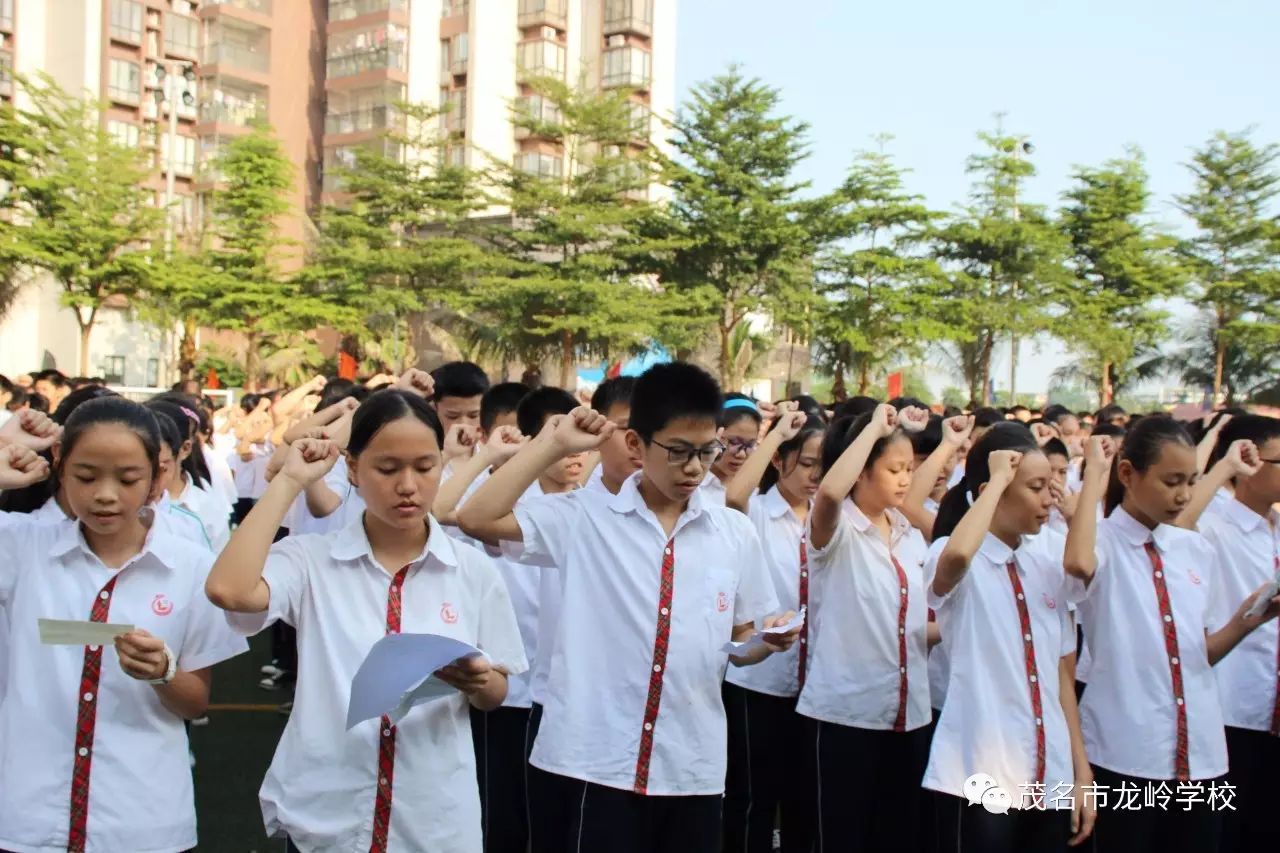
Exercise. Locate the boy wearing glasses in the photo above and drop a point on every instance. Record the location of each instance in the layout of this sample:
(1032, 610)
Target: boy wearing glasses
(740, 422)
(655, 580)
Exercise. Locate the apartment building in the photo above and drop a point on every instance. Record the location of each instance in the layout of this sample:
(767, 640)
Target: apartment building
(189, 75)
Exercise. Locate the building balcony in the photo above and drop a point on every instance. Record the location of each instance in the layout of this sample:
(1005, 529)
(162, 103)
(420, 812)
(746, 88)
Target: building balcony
(232, 115)
(634, 17)
(390, 58)
(6, 16)
(540, 58)
(535, 116)
(453, 8)
(544, 13)
(347, 10)
(237, 56)
(626, 67)
(261, 7)
(365, 120)
(125, 22)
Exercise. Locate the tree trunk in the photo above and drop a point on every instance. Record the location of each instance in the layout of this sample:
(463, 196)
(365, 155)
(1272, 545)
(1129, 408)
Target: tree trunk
(1219, 364)
(864, 376)
(187, 350)
(724, 371)
(86, 329)
(566, 359)
(985, 364)
(1107, 392)
(251, 362)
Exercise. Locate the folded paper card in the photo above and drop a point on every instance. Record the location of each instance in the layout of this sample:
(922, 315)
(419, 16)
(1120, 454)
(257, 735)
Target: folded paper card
(72, 632)
(396, 675)
(757, 639)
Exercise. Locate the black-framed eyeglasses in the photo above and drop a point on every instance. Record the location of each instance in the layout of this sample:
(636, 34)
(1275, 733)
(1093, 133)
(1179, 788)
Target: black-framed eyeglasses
(680, 455)
(1270, 461)
(740, 445)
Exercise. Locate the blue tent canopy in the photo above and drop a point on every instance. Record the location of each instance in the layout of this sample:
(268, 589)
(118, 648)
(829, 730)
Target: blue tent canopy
(656, 354)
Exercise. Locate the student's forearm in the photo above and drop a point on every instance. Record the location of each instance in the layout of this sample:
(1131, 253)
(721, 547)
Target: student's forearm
(1202, 495)
(451, 491)
(484, 512)
(921, 485)
(1204, 449)
(933, 634)
(187, 696)
(289, 403)
(1220, 643)
(1080, 557)
(965, 540)
(742, 633)
(275, 463)
(322, 501)
(235, 582)
(737, 493)
(835, 487)
(492, 695)
(1071, 711)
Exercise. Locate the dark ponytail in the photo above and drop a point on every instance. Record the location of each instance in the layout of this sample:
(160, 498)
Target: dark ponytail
(1006, 435)
(383, 407)
(1142, 445)
(188, 422)
(790, 449)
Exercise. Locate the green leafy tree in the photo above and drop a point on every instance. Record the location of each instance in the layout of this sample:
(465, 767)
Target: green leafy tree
(881, 291)
(746, 235)
(1004, 258)
(1234, 256)
(1123, 266)
(580, 242)
(74, 205)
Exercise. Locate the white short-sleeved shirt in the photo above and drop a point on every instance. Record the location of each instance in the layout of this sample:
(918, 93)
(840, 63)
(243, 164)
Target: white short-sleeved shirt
(713, 489)
(939, 664)
(300, 518)
(1248, 548)
(220, 476)
(211, 508)
(50, 513)
(181, 522)
(855, 663)
(322, 783)
(1129, 713)
(140, 792)
(251, 474)
(988, 724)
(610, 551)
(780, 531)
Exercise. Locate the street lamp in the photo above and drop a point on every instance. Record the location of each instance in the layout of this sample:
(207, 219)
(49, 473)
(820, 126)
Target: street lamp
(169, 79)
(1022, 147)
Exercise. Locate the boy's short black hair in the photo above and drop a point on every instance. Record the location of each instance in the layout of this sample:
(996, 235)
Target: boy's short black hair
(1013, 410)
(337, 390)
(613, 392)
(1055, 447)
(854, 407)
(56, 378)
(38, 401)
(927, 440)
(987, 417)
(1256, 428)
(459, 379)
(539, 405)
(5, 384)
(901, 403)
(667, 392)
(1055, 413)
(500, 399)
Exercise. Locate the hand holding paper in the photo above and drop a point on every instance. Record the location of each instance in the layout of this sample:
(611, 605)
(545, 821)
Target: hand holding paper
(73, 632)
(779, 637)
(399, 674)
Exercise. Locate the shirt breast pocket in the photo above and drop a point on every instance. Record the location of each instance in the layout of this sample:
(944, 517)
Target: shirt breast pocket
(719, 589)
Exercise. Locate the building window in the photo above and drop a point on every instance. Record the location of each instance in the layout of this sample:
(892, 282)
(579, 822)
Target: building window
(635, 16)
(126, 134)
(113, 369)
(453, 110)
(535, 12)
(6, 15)
(449, 8)
(626, 66)
(153, 373)
(459, 49)
(124, 82)
(541, 58)
(542, 165)
(126, 21)
(238, 105)
(182, 35)
(345, 10)
(184, 155)
(381, 48)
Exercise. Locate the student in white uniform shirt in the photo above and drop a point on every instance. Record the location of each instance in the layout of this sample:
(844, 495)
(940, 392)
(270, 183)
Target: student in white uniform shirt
(656, 579)
(1152, 714)
(867, 686)
(1245, 534)
(739, 433)
(379, 786)
(190, 487)
(1000, 593)
(768, 740)
(459, 388)
(180, 521)
(252, 453)
(95, 754)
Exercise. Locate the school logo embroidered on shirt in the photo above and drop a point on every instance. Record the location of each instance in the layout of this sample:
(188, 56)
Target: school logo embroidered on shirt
(1048, 601)
(161, 606)
(722, 602)
(1195, 578)
(448, 613)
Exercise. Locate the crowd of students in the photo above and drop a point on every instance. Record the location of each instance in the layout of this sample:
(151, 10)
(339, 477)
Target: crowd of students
(708, 623)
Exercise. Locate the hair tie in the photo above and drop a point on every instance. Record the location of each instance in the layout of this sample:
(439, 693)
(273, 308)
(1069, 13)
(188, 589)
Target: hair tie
(739, 403)
(190, 414)
(963, 485)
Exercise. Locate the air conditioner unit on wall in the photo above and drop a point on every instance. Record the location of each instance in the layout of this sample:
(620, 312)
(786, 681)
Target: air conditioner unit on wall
(548, 32)
(617, 41)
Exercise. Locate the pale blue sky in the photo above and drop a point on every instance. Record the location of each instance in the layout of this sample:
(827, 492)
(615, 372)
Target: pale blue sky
(1082, 79)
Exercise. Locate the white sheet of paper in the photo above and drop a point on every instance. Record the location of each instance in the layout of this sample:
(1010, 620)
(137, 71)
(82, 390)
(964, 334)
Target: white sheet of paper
(757, 639)
(1272, 590)
(73, 632)
(396, 675)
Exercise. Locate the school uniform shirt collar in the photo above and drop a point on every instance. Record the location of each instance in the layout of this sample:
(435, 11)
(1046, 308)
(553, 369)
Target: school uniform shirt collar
(628, 499)
(352, 543)
(1244, 518)
(163, 546)
(996, 551)
(1136, 533)
(898, 524)
(775, 505)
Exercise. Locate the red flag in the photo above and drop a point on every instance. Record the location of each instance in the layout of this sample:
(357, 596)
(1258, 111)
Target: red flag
(346, 366)
(895, 385)
(211, 380)
(614, 371)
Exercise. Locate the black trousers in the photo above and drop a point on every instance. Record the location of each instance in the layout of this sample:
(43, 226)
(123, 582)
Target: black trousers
(937, 825)
(1152, 829)
(762, 790)
(868, 787)
(977, 830)
(611, 820)
(548, 800)
(1255, 773)
(501, 761)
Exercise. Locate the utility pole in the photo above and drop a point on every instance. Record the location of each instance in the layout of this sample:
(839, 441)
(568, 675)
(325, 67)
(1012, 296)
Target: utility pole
(168, 75)
(1021, 147)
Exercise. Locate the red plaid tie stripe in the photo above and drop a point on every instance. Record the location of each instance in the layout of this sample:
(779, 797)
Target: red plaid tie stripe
(1029, 658)
(666, 588)
(804, 601)
(86, 718)
(1181, 760)
(387, 740)
(900, 721)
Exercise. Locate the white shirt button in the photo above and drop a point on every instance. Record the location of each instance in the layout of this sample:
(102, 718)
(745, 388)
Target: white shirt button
(82, 752)
(902, 630)
(88, 697)
(382, 781)
(657, 667)
(666, 551)
(94, 648)
(648, 727)
(1159, 574)
(1026, 637)
(1033, 679)
(104, 595)
(1168, 618)
(1039, 722)
(665, 611)
(903, 590)
(1020, 597)
(804, 574)
(1179, 700)
(902, 669)
(386, 732)
(802, 639)
(1173, 661)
